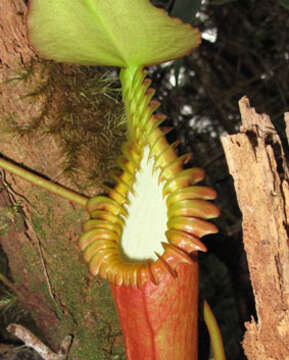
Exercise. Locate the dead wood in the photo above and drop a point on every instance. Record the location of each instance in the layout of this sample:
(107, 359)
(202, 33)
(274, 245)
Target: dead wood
(258, 165)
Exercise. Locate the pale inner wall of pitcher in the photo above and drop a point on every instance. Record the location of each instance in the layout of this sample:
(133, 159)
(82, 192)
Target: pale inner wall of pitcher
(146, 223)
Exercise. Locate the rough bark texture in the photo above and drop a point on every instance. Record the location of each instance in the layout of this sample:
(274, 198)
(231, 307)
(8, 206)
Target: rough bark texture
(39, 232)
(14, 55)
(257, 162)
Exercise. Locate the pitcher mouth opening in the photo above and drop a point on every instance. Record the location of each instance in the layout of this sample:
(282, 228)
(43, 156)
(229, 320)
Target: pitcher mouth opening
(177, 222)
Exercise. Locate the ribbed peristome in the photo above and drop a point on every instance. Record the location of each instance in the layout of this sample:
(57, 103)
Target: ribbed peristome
(188, 207)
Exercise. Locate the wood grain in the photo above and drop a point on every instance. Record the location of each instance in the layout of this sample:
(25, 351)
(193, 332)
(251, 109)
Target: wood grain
(258, 165)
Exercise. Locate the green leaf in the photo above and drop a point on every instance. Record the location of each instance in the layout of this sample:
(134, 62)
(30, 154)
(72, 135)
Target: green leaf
(107, 32)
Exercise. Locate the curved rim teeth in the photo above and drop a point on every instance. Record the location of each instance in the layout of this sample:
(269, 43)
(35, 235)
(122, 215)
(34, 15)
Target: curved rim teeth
(153, 106)
(187, 204)
(107, 204)
(173, 167)
(182, 179)
(165, 155)
(185, 241)
(157, 121)
(101, 224)
(96, 234)
(165, 266)
(192, 225)
(115, 195)
(196, 208)
(126, 166)
(175, 256)
(93, 248)
(191, 193)
(158, 140)
(152, 274)
(102, 256)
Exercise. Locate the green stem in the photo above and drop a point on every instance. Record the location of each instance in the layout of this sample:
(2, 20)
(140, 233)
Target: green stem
(214, 332)
(43, 183)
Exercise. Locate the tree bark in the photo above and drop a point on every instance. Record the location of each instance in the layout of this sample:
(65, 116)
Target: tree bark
(258, 165)
(39, 231)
